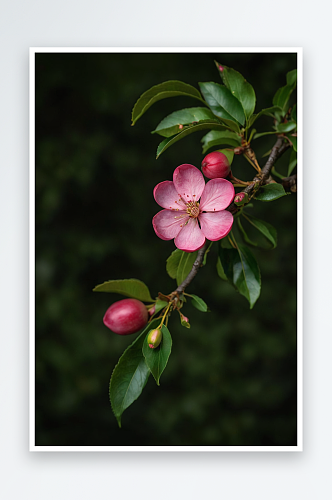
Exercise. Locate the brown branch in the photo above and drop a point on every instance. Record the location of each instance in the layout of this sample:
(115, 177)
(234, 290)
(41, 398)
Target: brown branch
(260, 179)
(278, 149)
(194, 270)
(289, 183)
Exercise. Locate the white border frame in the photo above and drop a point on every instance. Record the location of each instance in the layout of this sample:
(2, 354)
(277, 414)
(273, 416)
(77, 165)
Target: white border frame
(33, 51)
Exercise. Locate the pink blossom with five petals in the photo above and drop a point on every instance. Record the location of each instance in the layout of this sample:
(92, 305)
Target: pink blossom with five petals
(193, 211)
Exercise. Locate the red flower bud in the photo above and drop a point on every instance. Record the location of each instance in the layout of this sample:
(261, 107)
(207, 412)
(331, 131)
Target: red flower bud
(216, 165)
(220, 68)
(154, 338)
(126, 316)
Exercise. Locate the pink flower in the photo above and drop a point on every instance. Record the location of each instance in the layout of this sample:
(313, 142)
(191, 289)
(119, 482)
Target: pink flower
(193, 210)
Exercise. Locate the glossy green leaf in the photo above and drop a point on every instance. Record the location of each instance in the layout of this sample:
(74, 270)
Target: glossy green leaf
(270, 192)
(229, 153)
(242, 271)
(294, 113)
(267, 112)
(130, 288)
(292, 162)
(231, 125)
(169, 141)
(199, 303)
(185, 265)
(263, 227)
(222, 102)
(169, 126)
(244, 234)
(240, 89)
(286, 127)
(172, 263)
(156, 359)
(216, 138)
(164, 90)
(130, 375)
(220, 270)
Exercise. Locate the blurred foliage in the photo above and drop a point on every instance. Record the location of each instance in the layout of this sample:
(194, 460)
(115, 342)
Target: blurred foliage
(231, 378)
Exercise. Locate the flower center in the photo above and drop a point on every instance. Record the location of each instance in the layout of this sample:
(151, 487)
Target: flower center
(193, 209)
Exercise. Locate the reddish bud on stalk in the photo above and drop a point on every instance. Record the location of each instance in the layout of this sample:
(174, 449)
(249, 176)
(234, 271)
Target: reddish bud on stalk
(154, 338)
(241, 199)
(216, 165)
(181, 127)
(152, 310)
(221, 68)
(126, 316)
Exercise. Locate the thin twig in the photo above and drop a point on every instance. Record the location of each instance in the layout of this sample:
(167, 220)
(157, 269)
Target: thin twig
(194, 270)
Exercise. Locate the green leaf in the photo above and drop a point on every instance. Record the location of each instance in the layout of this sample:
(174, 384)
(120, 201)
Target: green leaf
(263, 227)
(185, 265)
(244, 234)
(292, 162)
(164, 90)
(216, 138)
(242, 271)
(169, 126)
(229, 153)
(130, 288)
(160, 304)
(291, 78)
(222, 102)
(230, 124)
(220, 270)
(172, 263)
(240, 89)
(294, 113)
(156, 359)
(206, 253)
(286, 127)
(130, 375)
(270, 192)
(266, 111)
(261, 134)
(169, 141)
(199, 303)
(283, 94)
(293, 141)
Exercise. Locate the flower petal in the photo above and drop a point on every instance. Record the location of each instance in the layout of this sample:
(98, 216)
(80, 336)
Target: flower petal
(217, 195)
(168, 223)
(216, 225)
(189, 182)
(166, 196)
(190, 238)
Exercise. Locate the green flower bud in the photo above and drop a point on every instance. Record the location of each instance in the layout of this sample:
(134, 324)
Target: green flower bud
(241, 199)
(154, 338)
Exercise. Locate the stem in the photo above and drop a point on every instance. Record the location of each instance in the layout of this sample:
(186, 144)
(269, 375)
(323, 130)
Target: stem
(165, 315)
(194, 270)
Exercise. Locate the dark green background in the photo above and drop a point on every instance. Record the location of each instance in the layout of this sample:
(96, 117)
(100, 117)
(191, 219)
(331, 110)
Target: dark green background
(231, 378)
